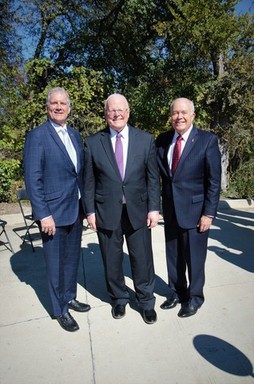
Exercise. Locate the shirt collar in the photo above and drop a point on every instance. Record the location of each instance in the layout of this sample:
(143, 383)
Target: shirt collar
(57, 127)
(124, 132)
(185, 135)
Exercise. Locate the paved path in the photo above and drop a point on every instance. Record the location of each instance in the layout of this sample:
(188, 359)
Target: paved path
(216, 346)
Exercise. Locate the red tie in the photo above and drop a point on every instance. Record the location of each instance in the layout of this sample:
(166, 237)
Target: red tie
(176, 154)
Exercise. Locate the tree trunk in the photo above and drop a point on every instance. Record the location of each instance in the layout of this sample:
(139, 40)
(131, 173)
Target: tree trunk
(224, 165)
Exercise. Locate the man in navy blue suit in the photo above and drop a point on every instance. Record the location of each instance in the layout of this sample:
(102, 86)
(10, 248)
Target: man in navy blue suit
(190, 196)
(53, 165)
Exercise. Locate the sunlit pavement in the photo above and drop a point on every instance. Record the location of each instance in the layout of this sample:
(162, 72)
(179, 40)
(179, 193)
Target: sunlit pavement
(216, 346)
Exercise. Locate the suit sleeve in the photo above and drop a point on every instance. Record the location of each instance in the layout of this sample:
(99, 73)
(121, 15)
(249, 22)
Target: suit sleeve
(89, 180)
(153, 179)
(33, 171)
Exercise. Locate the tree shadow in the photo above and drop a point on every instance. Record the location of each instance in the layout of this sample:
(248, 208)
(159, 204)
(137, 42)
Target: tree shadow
(236, 239)
(223, 355)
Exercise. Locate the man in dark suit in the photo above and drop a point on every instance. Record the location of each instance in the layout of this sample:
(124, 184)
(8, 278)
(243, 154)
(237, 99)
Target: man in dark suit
(190, 196)
(54, 164)
(122, 197)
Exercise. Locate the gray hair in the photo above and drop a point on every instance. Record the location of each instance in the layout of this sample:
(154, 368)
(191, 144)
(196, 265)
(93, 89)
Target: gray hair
(57, 89)
(183, 98)
(118, 95)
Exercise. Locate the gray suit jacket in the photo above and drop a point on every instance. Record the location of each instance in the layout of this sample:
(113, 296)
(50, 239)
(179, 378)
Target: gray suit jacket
(104, 187)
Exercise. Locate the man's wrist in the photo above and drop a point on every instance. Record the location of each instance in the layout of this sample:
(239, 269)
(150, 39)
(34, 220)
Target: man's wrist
(210, 216)
(45, 218)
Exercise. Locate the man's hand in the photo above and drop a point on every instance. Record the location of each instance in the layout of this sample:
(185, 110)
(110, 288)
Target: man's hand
(48, 226)
(91, 221)
(152, 219)
(204, 223)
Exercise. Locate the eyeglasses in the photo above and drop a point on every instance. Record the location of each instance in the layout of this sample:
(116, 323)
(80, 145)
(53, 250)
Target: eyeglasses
(116, 111)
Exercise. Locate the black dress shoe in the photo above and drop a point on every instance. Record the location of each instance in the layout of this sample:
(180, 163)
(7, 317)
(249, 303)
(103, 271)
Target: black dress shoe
(149, 316)
(188, 310)
(118, 311)
(67, 322)
(170, 303)
(78, 307)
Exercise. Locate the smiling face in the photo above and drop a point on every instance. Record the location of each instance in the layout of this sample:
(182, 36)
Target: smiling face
(182, 115)
(117, 112)
(58, 107)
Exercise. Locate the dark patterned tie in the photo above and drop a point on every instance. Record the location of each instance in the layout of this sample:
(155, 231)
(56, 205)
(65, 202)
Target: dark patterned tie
(119, 153)
(176, 154)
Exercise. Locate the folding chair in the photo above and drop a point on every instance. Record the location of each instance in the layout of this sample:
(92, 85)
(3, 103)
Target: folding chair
(23, 197)
(7, 243)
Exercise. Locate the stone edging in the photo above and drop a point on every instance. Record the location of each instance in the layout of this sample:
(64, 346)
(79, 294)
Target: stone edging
(236, 204)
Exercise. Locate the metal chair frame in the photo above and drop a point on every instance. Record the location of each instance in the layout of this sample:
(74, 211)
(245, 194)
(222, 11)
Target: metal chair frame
(7, 243)
(22, 196)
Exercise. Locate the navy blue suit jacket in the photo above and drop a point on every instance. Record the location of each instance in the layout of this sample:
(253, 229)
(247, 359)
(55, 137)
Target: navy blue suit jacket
(195, 187)
(105, 188)
(51, 180)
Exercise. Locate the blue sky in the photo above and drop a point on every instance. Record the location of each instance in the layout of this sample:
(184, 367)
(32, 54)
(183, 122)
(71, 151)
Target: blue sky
(244, 6)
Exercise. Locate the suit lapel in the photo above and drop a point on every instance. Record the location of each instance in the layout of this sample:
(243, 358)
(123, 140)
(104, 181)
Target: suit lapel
(164, 155)
(132, 145)
(107, 146)
(190, 143)
(58, 141)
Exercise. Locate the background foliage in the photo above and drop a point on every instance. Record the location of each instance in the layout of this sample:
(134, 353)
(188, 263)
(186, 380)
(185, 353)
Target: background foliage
(151, 51)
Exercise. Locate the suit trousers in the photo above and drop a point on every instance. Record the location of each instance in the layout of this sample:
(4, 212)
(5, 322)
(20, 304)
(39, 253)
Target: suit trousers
(62, 254)
(186, 251)
(141, 261)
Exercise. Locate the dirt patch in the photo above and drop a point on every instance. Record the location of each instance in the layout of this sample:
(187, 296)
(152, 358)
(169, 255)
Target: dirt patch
(9, 208)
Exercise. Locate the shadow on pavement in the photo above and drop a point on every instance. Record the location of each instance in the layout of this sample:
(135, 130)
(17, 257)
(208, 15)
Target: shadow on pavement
(236, 238)
(223, 355)
(30, 268)
(91, 275)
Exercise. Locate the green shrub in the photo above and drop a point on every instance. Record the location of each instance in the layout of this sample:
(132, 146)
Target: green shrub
(242, 180)
(10, 174)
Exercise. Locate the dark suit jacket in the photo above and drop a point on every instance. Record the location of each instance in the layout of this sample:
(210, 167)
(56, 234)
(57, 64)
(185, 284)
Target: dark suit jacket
(104, 187)
(195, 187)
(51, 180)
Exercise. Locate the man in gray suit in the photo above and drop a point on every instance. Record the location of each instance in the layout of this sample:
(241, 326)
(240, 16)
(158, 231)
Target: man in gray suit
(122, 198)
(190, 196)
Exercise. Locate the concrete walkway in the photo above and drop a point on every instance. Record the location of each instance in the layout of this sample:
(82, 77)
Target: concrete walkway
(216, 346)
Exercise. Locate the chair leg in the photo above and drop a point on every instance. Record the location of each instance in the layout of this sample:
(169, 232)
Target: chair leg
(30, 239)
(8, 240)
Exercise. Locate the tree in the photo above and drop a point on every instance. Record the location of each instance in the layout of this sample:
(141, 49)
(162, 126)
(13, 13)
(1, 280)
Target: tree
(209, 57)
(151, 51)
